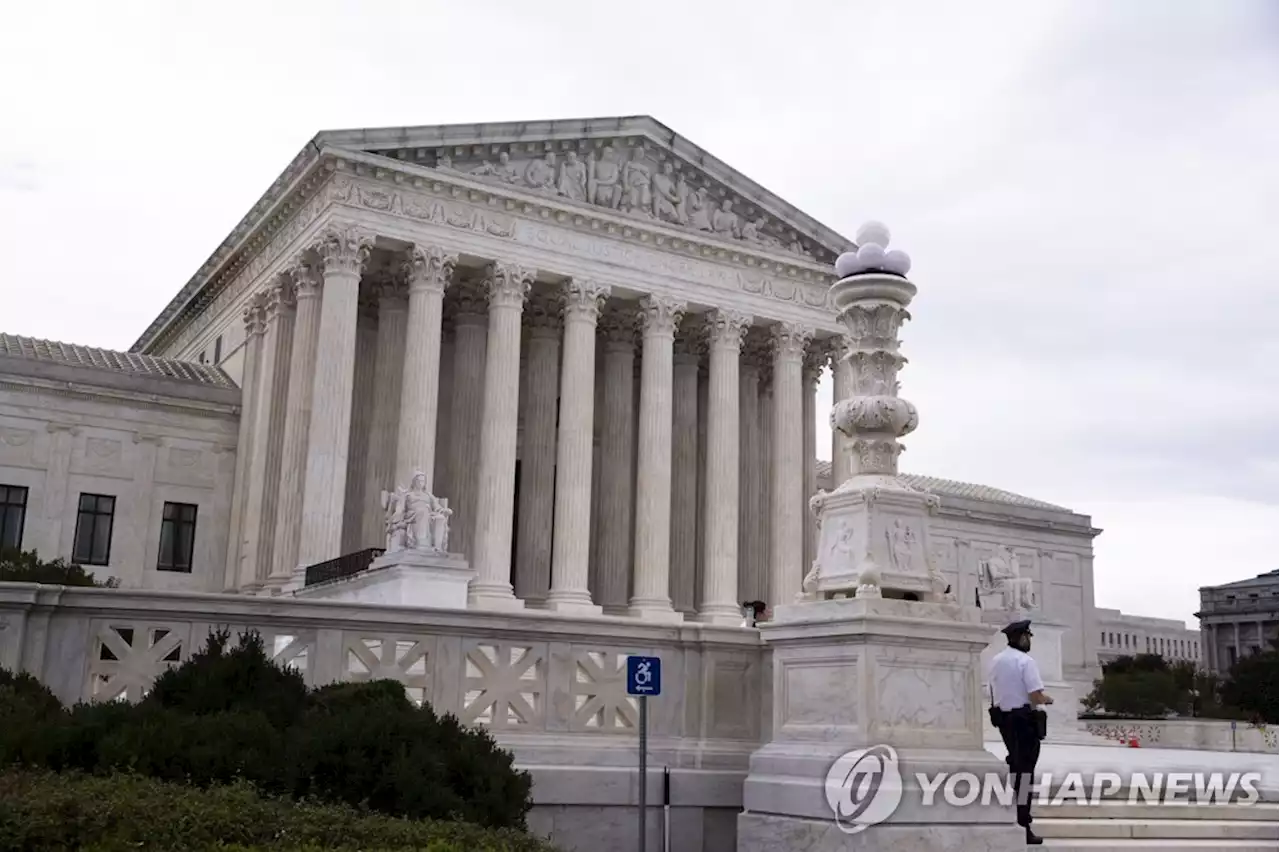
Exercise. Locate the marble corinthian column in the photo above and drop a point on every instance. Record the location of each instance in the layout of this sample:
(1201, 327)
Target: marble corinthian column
(470, 344)
(538, 450)
(787, 483)
(650, 597)
(254, 326)
(725, 332)
(571, 554)
(617, 449)
(750, 477)
(297, 423)
(507, 286)
(268, 432)
(344, 251)
(393, 314)
(429, 271)
(684, 464)
(841, 389)
(815, 361)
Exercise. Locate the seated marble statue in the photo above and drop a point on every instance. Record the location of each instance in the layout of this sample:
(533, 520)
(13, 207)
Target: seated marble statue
(1002, 574)
(415, 518)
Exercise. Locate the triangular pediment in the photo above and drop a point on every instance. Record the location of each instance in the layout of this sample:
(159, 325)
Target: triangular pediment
(633, 166)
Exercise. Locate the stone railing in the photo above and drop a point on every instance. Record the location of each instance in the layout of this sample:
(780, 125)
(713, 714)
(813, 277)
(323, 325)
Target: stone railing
(1192, 734)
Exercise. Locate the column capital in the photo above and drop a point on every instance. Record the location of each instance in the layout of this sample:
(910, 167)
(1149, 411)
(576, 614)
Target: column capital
(389, 286)
(343, 249)
(659, 315)
(468, 305)
(618, 327)
(542, 316)
(789, 341)
(507, 284)
(816, 358)
(690, 341)
(279, 298)
(583, 299)
(306, 283)
(726, 328)
(428, 268)
(255, 314)
(756, 352)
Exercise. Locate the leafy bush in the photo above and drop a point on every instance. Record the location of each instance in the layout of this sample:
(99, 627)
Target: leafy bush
(47, 811)
(18, 566)
(234, 714)
(1252, 686)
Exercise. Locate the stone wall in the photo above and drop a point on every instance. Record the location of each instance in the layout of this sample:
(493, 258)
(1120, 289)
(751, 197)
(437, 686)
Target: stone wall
(69, 430)
(551, 689)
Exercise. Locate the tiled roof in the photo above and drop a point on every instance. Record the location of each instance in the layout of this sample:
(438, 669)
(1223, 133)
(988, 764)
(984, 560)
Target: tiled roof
(966, 490)
(106, 359)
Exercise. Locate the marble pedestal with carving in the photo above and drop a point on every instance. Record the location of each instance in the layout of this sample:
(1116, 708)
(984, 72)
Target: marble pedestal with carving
(1046, 647)
(415, 578)
(854, 673)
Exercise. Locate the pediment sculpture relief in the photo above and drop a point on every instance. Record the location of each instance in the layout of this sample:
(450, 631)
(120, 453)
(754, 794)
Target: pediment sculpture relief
(640, 183)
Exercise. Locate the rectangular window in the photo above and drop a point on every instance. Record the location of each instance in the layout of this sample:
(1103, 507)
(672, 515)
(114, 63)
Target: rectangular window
(13, 514)
(177, 537)
(93, 530)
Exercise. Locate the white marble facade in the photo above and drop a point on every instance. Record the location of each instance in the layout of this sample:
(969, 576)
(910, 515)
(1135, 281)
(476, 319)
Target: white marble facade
(577, 331)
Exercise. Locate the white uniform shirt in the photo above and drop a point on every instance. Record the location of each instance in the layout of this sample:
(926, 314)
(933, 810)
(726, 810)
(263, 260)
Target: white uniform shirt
(1014, 676)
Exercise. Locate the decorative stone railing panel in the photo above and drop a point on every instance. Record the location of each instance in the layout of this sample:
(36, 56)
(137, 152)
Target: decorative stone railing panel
(1192, 734)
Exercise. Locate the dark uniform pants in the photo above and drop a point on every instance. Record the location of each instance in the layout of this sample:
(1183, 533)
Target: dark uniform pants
(1018, 729)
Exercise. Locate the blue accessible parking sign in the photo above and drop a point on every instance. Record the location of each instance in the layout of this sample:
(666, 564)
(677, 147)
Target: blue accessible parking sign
(644, 675)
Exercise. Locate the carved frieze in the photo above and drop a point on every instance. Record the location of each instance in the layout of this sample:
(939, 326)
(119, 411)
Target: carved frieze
(633, 178)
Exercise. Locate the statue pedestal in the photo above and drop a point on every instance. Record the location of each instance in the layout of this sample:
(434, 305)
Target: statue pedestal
(856, 673)
(415, 578)
(1046, 648)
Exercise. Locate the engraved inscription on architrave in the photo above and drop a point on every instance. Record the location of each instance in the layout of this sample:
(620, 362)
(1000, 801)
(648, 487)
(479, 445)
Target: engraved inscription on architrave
(632, 177)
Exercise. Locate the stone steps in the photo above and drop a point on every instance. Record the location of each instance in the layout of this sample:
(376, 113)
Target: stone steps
(1121, 826)
(1093, 845)
(1162, 829)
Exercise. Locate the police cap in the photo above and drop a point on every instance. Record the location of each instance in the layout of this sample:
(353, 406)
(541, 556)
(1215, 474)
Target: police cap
(1017, 627)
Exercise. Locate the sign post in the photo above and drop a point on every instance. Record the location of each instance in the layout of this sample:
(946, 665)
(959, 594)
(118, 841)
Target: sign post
(644, 678)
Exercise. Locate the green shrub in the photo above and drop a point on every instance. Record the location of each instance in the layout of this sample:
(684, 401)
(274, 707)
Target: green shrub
(19, 566)
(47, 811)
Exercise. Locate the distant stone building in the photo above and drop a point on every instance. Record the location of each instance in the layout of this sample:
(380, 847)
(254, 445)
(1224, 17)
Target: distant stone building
(1238, 618)
(1124, 635)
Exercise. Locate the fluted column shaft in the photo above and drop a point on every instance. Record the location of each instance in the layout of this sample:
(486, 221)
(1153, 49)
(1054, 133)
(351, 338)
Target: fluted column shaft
(700, 567)
(384, 428)
(470, 347)
(684, 468)
(268, 434)
(571, 555)
(253, 330)
(429, 271)
(720, 605)
(361, 424)
(651, 593)
(750, 481)
(507, 286)
(538, 451)
(297, 424)
(617, 450)
(815, 359)
(787, 536)
(841, 389)
(344, 253)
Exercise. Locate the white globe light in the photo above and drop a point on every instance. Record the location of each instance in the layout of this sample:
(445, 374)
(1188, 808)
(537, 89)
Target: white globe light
(898, 262)
(847, 264)
(871, 256)
(875, 233)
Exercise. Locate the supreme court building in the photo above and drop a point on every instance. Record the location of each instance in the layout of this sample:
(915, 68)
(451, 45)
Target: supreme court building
(600, 343)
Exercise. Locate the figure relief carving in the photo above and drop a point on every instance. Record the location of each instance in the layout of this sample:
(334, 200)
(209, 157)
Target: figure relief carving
(428, 268)
(344, 249)
(700, 210)
(416, 519)
(503, 171)
(604, 179)
(507, 284)
(635, 179)
(727, 328)
(573, 178)
(660, 314)
(724, 222)
(1001, 574)
(540, 175)
(902, 542)
(667, 203)
(581, 298)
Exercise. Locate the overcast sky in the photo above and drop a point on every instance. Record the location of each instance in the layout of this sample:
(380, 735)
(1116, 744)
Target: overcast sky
(1088, 191)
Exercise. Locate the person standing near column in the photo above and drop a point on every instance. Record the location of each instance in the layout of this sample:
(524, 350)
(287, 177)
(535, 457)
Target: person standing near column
(1017, 693)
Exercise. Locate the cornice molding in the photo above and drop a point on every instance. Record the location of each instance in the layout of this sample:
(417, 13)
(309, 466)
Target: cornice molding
(144, 401)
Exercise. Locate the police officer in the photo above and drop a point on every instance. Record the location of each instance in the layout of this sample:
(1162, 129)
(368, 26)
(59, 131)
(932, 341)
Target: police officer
(1017, 692)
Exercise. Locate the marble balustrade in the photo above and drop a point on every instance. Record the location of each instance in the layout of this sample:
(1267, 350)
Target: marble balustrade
(512, 435)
